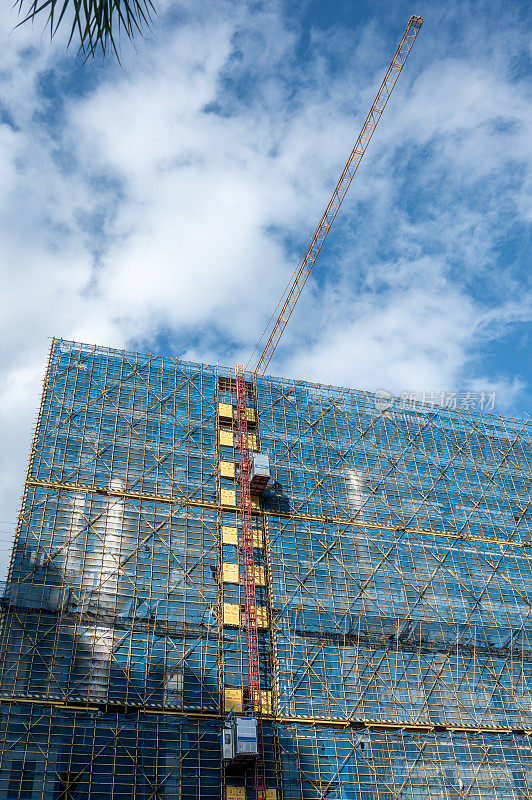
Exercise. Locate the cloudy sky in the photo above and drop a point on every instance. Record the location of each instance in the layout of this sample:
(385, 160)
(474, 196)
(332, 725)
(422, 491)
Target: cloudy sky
(161, 204)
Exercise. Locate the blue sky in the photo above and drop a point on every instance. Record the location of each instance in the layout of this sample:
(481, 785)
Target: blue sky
(162, 204)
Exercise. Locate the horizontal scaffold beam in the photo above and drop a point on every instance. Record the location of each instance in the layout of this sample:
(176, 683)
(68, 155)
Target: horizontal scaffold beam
(322, 520)
(357, 723)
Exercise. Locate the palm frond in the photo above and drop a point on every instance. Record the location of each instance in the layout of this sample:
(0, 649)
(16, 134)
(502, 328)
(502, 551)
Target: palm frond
(95, 24)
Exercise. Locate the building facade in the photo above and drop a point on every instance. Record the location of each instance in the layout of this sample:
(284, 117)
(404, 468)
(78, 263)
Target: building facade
(393, 577)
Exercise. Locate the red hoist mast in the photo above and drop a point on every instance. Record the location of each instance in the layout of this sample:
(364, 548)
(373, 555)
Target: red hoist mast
(255, 696)
(291, 296)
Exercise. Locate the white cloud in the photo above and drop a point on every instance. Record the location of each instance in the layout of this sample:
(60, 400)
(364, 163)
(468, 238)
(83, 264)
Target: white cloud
(403, 338)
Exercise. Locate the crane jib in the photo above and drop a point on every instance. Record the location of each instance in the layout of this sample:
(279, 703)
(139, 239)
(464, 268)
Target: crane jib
(307, 262)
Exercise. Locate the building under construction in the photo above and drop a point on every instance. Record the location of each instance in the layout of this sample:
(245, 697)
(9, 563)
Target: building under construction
(392, 579)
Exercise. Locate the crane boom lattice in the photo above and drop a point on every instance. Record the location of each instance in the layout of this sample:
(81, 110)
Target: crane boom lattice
(307, 262)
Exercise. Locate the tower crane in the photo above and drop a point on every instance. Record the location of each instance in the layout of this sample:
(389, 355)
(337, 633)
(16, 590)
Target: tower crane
(291, 296)
(302, 271)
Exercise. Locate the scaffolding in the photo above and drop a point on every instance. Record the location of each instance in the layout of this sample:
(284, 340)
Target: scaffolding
(393, 591)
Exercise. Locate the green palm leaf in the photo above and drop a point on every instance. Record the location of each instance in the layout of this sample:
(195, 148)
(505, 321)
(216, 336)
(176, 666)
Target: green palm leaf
(96, 24)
